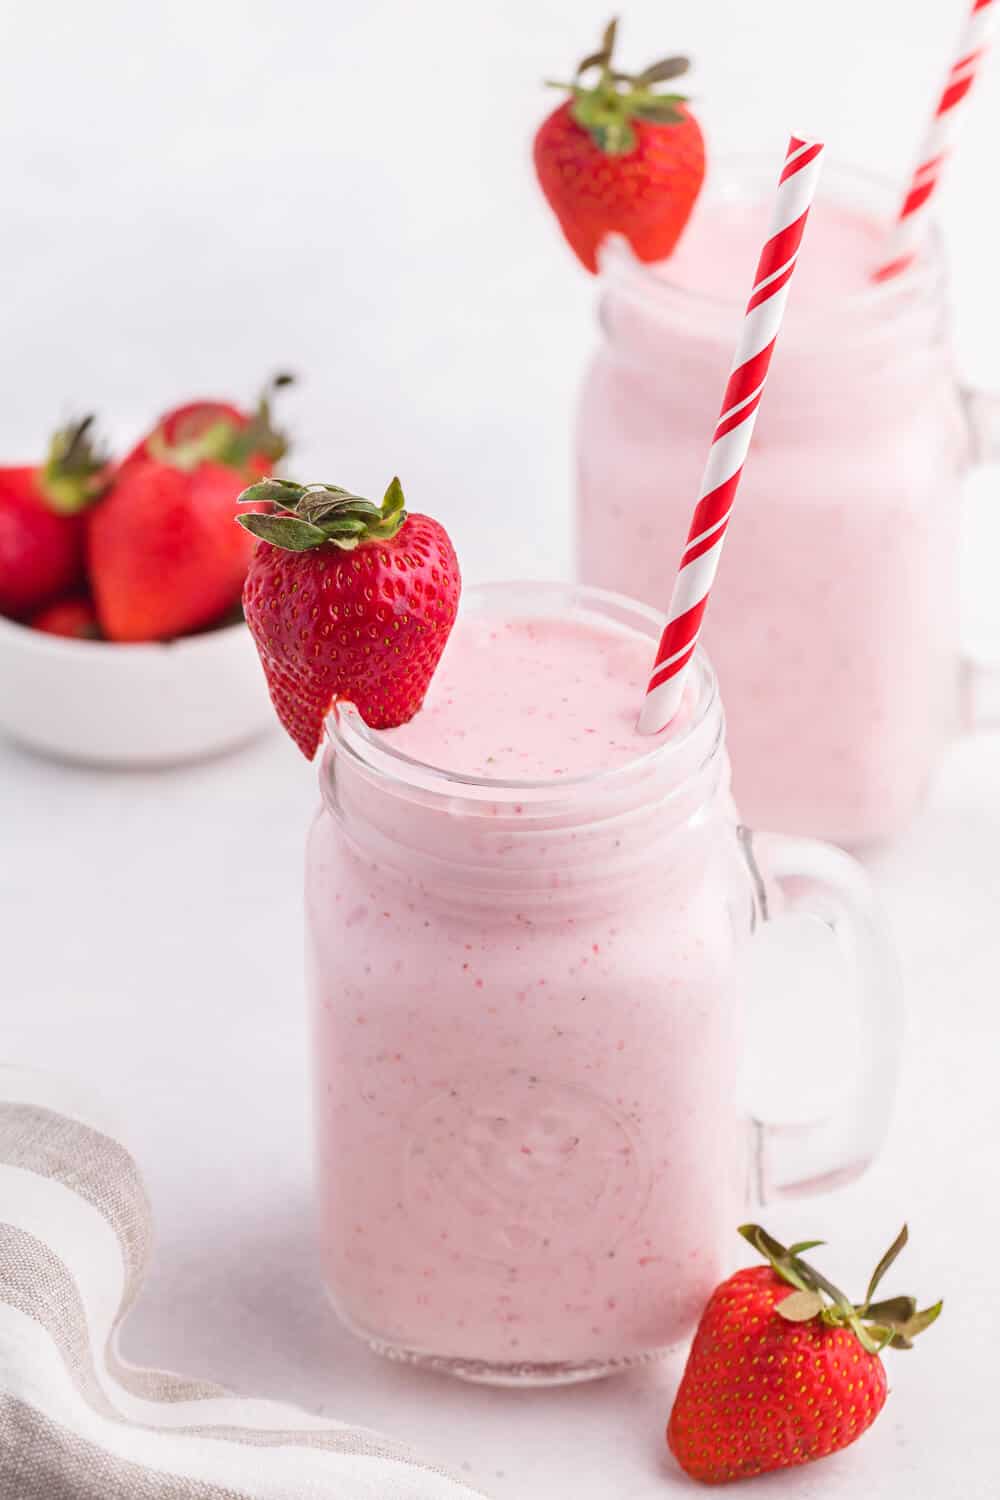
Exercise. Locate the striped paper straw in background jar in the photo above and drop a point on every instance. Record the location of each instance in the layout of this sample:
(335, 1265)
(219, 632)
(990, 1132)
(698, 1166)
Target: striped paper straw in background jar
(939, 141)
(733, 431)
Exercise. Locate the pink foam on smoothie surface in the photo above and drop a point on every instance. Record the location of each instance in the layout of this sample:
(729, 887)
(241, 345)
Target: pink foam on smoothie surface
(528, 698)
(718, 251)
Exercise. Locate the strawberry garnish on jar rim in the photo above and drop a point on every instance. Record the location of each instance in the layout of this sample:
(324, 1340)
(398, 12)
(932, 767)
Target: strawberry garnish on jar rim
(346, 600)
(785, 1368)
(621, 157)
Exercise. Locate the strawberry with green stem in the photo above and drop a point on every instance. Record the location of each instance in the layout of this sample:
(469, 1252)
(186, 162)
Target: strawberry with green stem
(41, 520)
(163, 556)
(619, 157)
(784, 1368)
(247, 440)
(346, 600)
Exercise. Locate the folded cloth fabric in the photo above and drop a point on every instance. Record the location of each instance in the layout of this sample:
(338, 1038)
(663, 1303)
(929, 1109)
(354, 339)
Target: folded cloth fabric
(76, 1421)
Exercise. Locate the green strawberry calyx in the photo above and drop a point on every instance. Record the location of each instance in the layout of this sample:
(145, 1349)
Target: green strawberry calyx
(891, 1322)
(310, 515)
(227, 442)
(607, 108)
(74, 474)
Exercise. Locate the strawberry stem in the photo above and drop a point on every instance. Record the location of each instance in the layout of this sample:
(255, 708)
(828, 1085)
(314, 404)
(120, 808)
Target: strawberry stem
(606, 109)
(259, 436)
(893, 1322)
(73, 474)
(226, 441)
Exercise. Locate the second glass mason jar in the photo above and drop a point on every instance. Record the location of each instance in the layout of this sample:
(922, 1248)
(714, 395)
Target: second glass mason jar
(834, 626)
(527, 1036)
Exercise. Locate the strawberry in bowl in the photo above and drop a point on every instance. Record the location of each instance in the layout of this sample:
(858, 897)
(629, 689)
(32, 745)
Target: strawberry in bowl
(346, 600)
(125, 642)
(74, 617)
(41, 520)
(163, 556)
(620, 156)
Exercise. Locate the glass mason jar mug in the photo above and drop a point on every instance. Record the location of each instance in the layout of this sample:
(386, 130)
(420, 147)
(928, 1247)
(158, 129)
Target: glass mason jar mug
(834, 627)
(527, 1039)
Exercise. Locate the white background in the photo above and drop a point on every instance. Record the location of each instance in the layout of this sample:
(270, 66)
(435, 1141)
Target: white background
(198, 194)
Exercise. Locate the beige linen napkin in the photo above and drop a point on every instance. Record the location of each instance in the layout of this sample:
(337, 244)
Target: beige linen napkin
(76, 1421)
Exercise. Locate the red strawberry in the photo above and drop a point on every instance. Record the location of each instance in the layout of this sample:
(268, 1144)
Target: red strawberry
(783, 1368)
(619, 158)
(41, 535)
(246, 437)
(163, 555)
(346, 599)
(70, 617)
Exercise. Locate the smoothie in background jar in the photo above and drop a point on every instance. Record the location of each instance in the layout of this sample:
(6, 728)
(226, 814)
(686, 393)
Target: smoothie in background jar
(524, 924)
(834, 625)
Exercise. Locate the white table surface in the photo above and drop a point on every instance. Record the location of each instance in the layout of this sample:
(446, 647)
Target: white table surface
(265, 213)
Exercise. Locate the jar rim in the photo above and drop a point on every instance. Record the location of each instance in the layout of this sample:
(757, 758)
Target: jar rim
(347, 733)
(619, 267)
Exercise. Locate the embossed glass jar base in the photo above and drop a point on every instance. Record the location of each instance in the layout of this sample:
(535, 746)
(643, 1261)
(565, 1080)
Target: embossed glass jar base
(486, 1372)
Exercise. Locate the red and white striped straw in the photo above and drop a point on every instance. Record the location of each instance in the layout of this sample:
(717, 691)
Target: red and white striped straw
(733, 431)
(939, 141)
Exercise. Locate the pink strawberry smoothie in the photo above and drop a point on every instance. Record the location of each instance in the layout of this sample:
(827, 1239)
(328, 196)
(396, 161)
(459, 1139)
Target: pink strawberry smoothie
(566, 691)
(525, 1019)
(833, 624)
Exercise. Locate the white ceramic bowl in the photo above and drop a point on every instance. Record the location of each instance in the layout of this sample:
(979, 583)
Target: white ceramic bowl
(143, 705)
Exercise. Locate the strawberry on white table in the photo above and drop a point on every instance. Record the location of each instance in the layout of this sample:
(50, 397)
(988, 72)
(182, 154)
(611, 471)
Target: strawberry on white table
(784, 1368)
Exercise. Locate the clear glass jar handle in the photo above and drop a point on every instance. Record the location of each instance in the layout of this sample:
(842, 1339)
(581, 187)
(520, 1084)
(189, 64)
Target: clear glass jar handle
(980, 704)
(982, 412)
(804, 877)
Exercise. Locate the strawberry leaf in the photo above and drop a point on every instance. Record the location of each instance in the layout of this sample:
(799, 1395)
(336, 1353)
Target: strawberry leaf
(799, 1307)
(660, 72)
(896, 1311)
(287, 532)
(659, 111)
(320, 505)
(905, 1333)
(884, 1264)
(592, 60)
(393, 501)
(339, 527)
(282, 492)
